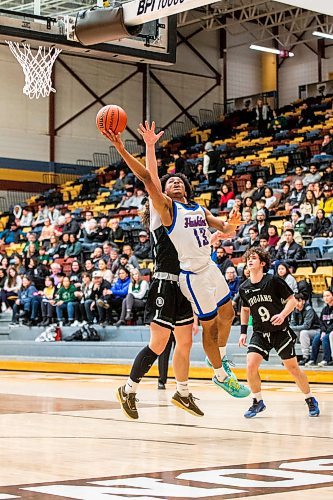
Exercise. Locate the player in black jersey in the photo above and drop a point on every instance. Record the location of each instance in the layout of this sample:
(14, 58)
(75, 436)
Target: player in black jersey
(167, 310)
(270, 301)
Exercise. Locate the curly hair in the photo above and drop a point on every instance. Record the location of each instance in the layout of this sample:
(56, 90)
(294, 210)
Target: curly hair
(261, 253)
(185, 180)
(145, 213)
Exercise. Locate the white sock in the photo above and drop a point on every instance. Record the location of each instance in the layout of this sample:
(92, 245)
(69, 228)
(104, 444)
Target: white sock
(310, 395)
(182, 388)
(131, 386)
(220, 374)
(257, 396)
(223, 351)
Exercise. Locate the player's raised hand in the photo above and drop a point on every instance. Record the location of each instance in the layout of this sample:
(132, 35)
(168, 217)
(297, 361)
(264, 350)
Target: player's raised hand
(115, 139)
(242, 340)
(147, 132)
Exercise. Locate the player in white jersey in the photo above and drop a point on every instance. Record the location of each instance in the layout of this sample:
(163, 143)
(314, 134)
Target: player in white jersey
(201, 281)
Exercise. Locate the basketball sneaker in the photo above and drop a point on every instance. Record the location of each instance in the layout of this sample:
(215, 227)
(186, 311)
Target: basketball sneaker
(313, 407)
(128, 403)
(226, 366)
(186, 403)
(257, 407)
(232, 387)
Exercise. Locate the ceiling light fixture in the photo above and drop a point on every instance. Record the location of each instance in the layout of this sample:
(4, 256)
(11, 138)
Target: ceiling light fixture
(323, 35)
(281, 53)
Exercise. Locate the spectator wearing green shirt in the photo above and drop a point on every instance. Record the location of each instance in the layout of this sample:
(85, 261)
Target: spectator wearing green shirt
(65, 301)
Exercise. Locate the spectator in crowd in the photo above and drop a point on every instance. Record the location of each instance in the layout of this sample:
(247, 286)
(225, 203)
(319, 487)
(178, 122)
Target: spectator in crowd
(321, 225)
(113, 262)
(254, 237)
(318, 191)
(298, 223)
(142, 250)
(236, 211)
(36, 272)
(297, 236)
(273, 236)
(66, 302)
(42, 257)
(179, 162)
(89, 266)
(226, 195)
(106, 273)
(216, 243)
(313, 176)
(263, 243)
(135, 298)
(102, 232)
(11, 287)
(259, 191)
(248, 190)
(59, 225)
(324, 336)
(74, 248)
(96, 256)
(31, 238)
(114, 296)
(18, 263)
(249, 204)
(99, 285)
(309, 206)
(284, 273)
(305, 323)
(11, 235)
(307, 116)
(242, 235)
(26, 217)
(41, 216)
(262, 224)
(62, 246)
(263, 116)
(132, 259)
(53, 247)
(270, 199)
(129, 199)
(327, 145)
(327, 175)
(71, 226)
(55, 273)
(47, 301)
(107, 247)
(75, 274)
(223, 261)
(326, 203)
(27, 302)
(121, 181)
(116, 232)
(289, 251)
(284, 197)
(297, 195)
(89, 225)
(47, 232)
(233, 280)
(199, 175)
(211, 163)
(85, 297)
(53, 215)
(3, 307)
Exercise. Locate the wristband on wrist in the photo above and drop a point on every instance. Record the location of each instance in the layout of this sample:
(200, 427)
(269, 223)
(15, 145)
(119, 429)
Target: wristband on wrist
(244, 329)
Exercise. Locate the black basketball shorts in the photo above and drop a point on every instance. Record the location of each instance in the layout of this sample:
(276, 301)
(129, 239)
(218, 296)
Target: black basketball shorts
(282, 341)
(166, 305)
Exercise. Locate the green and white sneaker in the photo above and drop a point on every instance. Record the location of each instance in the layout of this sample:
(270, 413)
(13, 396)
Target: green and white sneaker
(226, 366)
(232, 387)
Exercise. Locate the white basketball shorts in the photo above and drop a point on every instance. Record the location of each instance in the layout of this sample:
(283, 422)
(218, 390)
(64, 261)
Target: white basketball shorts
(207, 290)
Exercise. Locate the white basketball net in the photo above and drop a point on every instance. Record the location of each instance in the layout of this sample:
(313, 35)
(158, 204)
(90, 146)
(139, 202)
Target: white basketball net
(37, 68)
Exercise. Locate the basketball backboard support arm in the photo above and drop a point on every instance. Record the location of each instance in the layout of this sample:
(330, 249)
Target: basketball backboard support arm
(93, 26)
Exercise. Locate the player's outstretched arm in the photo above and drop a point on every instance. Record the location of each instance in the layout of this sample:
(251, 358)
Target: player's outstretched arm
(227, 228)
(245, 316)
(278, 319)
(148, 134)
(161, 202)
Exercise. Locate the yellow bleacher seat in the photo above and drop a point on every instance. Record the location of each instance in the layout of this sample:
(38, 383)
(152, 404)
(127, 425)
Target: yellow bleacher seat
(318, 282)
(325, 270)
(304, 272)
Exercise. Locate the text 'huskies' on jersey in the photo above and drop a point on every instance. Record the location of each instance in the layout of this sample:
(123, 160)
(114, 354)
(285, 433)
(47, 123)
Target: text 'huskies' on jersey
(190, 235)
(265, 299)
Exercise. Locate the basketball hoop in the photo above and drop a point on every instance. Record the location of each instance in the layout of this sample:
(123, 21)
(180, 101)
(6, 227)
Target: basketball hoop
(37, 68)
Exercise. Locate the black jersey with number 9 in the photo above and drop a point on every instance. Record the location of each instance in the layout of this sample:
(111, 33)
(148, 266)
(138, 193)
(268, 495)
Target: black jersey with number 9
(265, 299)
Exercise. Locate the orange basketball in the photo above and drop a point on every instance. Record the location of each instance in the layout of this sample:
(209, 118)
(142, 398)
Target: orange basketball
(111, 118)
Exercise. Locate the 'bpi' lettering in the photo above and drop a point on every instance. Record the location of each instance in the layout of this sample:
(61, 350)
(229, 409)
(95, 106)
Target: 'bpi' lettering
(151, 5)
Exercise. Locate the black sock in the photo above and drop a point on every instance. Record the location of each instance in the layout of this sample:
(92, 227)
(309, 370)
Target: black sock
(142, 364)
